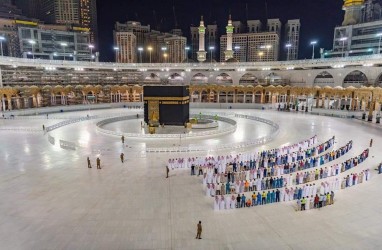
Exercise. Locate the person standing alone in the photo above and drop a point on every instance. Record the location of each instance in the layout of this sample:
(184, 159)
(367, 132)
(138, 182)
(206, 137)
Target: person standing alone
(98, 163)
(89, 164)
(122, 157)
(123, 139)
(199, 231)
(167, 171)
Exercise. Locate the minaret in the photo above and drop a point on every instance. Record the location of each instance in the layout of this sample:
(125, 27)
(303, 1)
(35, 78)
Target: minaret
(229, 52)
(202, 52)
(353, 11)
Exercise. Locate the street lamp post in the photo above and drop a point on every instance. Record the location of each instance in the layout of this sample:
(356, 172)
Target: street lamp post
(268, 47)
(261, 55)
(343, 39)
(187, 49)
(32, 42)
(236, 48)
(140, 49)
(288, 46)
(379, 43)
(64, 45)
(165, 57)
(313, 43)
(2, 38)
(116, 49)
(150, 49)
(211, 49)
(91, 47)
(164, 49)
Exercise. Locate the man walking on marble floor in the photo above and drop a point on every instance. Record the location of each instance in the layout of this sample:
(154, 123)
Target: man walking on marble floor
(167, 171)
(123, 139)
(199, 231)
(89, 164)
(122, 157)
(371, 143)
(98, 163)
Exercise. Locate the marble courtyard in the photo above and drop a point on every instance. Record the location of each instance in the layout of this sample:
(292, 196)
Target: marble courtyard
(51, 200)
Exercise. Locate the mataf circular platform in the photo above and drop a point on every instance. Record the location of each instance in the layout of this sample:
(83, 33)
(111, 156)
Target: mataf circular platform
(205, 129)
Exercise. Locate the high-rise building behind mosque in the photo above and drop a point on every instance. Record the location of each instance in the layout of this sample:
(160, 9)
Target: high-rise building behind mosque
(81, 13)
(361, 30)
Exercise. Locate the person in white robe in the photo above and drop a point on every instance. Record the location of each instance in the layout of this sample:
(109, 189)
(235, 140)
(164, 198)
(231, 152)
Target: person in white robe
(216, 204)
(222, 203)
(233, 202)
(208, 190)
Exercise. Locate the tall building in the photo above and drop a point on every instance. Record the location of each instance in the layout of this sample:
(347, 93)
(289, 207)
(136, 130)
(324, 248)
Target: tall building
(136, 28)
(274, 25)
(212, 40)
(194, 44)
(353, 11)
(177, 32)
(355, 37)
(60, 11)
(59, 42)
(254, 26)
(88, 18)
(29, 8)
(175, 49)
(82, 13)
(239, 41)
(239, 27)
(292, 39)
(253, 47)
(8, 10)
(127, 47)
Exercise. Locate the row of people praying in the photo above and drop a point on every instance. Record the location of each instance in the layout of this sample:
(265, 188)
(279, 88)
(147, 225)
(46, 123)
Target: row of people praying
(242, 200)
(321, 200)
(257, 184)
(317, 201)
(275, 156)
(210, 176)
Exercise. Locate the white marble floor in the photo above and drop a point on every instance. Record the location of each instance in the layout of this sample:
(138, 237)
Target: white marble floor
(51, 200)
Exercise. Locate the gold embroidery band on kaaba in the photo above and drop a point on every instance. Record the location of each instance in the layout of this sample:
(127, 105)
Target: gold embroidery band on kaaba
(174, 102)
(147, 98)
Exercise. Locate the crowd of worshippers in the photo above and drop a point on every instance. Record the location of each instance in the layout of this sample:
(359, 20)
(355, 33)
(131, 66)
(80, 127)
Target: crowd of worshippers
(307, 197)
(326, 198)
(279, 195)
(247, 182)
(283, 155)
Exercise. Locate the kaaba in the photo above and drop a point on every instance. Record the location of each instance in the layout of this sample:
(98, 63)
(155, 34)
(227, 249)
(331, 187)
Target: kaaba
(168, 105)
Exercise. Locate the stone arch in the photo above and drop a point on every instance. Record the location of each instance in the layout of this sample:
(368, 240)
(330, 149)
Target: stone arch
(356, 79)
(324, 79)
(224, 79)
(273, 79)
(378, 81)
(248, 79)
(175, 78)
(152, 77)
(199, 78)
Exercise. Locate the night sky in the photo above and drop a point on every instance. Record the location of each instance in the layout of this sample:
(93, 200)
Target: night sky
(318, 17)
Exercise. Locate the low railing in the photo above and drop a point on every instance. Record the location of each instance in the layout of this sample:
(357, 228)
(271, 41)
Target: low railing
(240, 145)
(21, 129)
(227, 130)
